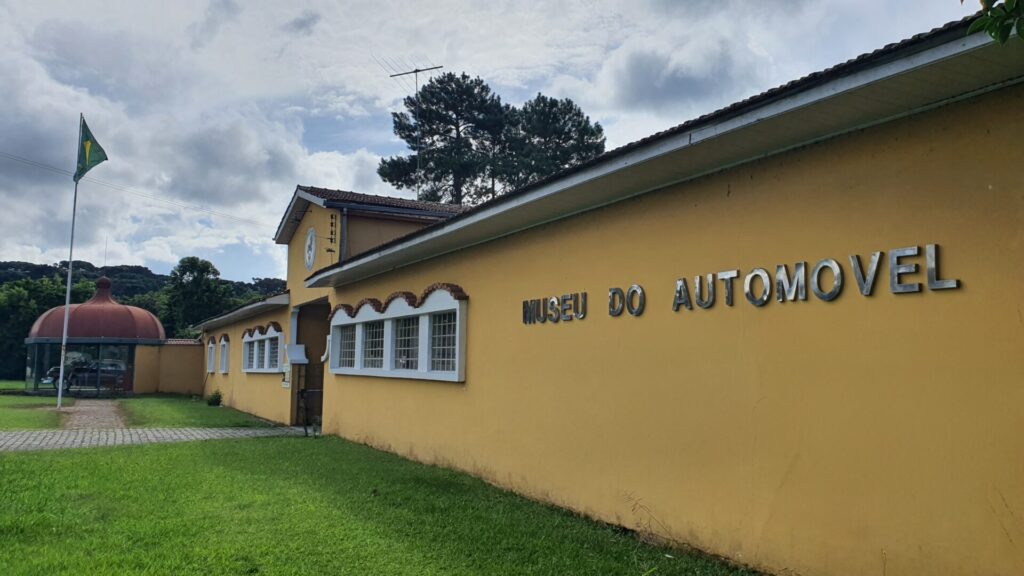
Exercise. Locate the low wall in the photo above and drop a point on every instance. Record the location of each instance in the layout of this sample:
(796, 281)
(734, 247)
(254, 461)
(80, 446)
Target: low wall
(181, 369)
(147, 369)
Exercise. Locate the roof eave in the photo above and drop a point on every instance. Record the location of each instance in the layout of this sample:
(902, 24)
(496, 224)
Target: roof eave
(851, 100)
(286, 228)
(248, 311)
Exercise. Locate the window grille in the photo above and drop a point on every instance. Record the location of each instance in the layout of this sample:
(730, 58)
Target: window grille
(261, 354)
(407, 343)
(210, 352)
(250, 352)
(347, 347)
(373, 344)
(273, 351)
(442, 341)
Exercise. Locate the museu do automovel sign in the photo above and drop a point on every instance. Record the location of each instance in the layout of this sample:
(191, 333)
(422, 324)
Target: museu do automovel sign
(827, 279)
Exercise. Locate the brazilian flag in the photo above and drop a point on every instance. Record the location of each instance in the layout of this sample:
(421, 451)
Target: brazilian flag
(90, 153)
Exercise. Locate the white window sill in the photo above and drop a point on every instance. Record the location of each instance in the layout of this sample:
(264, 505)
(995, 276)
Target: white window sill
(452, 376)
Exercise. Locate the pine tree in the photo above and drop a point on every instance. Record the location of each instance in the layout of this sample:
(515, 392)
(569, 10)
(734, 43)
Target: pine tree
(450, 133)
(547, 136)
(474, 148)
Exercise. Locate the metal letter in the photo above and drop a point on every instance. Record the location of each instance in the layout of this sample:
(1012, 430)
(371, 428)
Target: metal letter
(539, 311)
(765, 282)
(553, 309)
(616, 301)
(727, 276)
(580, 305)
(866, 285)
(682, 297)
(697, 291)
(566, 306)
(791, 289)
(641, 300)
(528, 312)
(896, 270)
(932, 263)
(837, 279)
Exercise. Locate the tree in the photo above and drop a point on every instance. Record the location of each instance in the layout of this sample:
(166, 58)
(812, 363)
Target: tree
(195, 292)
(21, 302)
(546, 136)
(474, 147)
(449, 127)
(154, 302)
(999, 18)
(268, 286)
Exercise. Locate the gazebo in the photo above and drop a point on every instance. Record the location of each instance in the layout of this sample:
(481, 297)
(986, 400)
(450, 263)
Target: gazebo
(102, 339)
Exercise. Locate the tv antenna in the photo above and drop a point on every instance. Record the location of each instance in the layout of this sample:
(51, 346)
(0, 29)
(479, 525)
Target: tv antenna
(419, 129)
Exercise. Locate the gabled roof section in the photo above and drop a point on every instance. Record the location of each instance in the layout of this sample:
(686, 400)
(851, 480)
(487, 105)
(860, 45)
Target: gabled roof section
(370, 204)
(917, 74)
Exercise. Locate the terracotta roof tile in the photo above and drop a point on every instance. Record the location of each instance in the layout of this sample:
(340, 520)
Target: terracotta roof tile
(389, 201)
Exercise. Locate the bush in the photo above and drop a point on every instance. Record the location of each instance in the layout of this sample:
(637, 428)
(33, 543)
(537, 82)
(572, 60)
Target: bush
(215, 398)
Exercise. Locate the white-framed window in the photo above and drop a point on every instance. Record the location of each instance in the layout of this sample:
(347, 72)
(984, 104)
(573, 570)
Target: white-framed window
(443, 329)
(346, 346)
(426, 342)
(211, 361)
(373, 344)
(406, 352)
(224, 354)
(262, 351)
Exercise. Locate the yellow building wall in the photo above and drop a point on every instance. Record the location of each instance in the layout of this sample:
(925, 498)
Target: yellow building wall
(366, 233)
(319, 219)
(260, 394)
(869, 435)
(182, 367)
(169, 368)
(147, 369)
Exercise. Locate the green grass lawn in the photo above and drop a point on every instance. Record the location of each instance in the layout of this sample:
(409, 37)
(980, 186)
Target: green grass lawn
(183, 412)
(23, 413)
(293, 506)
(12, 384)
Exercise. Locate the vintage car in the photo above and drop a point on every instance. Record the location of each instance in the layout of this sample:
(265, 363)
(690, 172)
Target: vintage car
(91, 374)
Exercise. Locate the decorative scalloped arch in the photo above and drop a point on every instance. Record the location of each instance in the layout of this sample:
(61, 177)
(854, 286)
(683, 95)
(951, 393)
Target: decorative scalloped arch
(349, 312)
(454, 289)
(371, 302)
(409, 298)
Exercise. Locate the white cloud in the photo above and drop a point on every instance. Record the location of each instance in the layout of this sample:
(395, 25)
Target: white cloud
(214, 102)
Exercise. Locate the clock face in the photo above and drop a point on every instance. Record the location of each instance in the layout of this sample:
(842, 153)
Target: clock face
(310, 248)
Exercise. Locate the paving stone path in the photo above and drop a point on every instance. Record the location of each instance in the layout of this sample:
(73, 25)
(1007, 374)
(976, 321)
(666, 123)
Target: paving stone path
(92, 414)
(21, 440)
(92, 423)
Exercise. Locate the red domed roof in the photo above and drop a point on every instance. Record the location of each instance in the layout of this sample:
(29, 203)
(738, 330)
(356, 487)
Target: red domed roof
(100, 317)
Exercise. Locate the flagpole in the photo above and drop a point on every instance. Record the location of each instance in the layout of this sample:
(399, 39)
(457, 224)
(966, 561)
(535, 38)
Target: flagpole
(67, 292)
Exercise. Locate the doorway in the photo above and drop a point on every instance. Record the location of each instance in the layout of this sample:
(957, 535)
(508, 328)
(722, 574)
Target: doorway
(313, 327)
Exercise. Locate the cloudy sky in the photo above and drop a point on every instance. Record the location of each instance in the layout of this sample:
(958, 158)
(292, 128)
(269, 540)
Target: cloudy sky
(226, 105)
